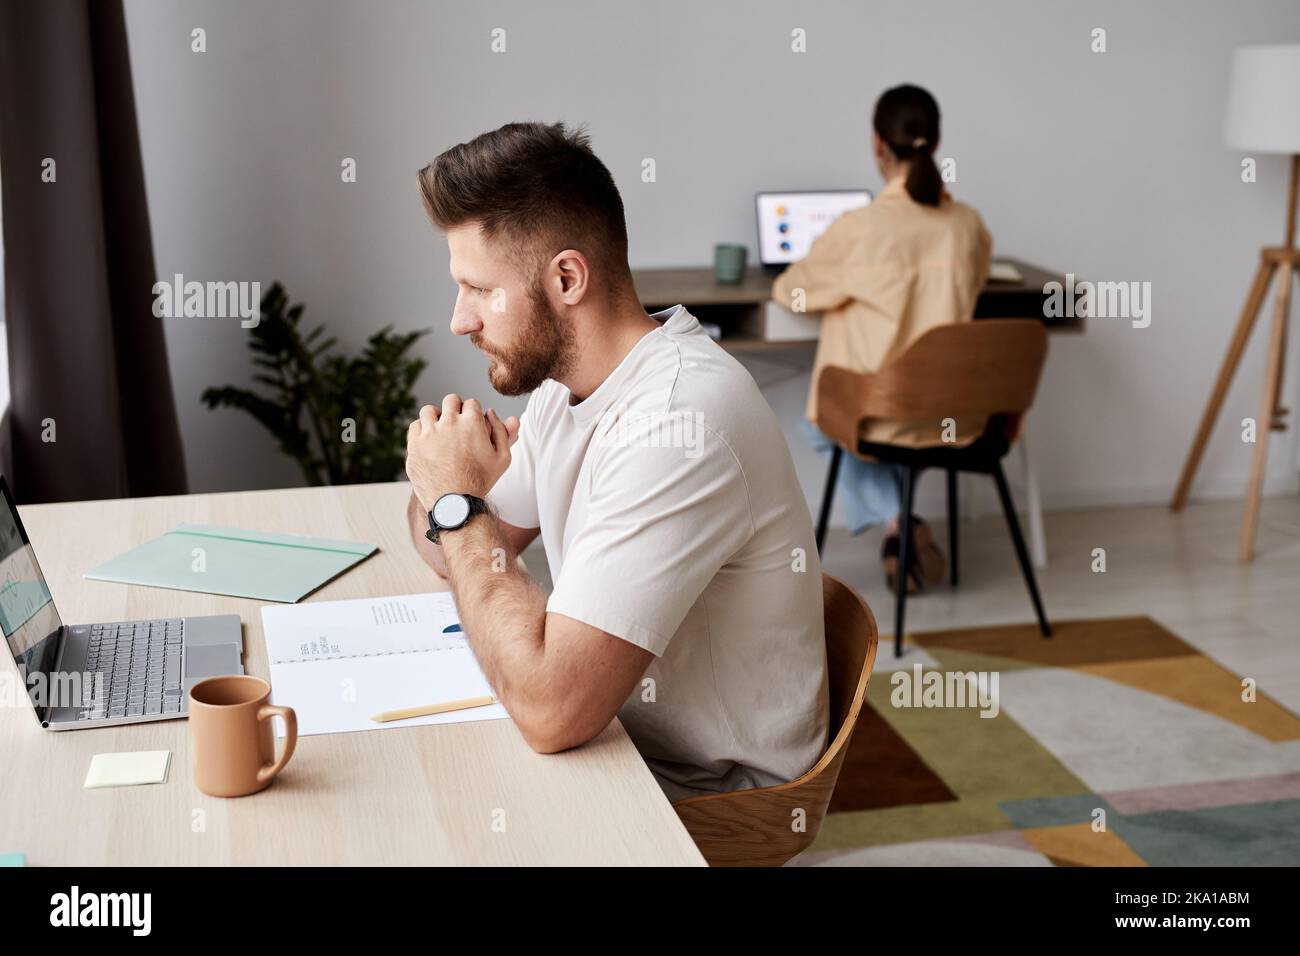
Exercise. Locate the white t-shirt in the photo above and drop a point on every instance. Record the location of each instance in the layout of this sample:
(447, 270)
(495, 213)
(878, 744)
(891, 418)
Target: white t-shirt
(672, 518)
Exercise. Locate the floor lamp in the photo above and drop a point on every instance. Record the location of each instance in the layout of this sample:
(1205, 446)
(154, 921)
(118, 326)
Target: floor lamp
(1263, 117)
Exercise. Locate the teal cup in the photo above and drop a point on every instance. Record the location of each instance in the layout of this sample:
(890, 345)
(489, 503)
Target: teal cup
(729, 263)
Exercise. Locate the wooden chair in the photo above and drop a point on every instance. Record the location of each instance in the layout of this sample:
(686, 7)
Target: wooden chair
(756, 827)
(990, 367)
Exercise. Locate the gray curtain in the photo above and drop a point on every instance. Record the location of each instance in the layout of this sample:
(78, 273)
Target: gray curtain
(87, 358)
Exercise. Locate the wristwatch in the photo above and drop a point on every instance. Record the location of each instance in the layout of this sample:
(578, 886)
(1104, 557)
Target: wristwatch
(452, 511)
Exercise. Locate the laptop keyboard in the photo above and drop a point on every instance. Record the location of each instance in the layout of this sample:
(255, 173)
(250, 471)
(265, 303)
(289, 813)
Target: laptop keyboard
(141, 666)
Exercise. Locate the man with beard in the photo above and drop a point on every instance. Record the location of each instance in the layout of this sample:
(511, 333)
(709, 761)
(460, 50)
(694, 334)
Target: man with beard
(687, 591)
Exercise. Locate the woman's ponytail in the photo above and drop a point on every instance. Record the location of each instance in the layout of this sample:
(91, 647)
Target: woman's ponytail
(907, 120)
(924, 184)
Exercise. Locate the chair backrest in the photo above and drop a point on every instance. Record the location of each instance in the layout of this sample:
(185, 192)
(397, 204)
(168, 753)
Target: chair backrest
(758, 827)
(984, 367)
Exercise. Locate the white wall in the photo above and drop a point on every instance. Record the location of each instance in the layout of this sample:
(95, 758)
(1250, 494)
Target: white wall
(1108, 165)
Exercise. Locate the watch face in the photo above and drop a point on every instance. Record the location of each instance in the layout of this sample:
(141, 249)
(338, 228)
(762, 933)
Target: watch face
(451, 511)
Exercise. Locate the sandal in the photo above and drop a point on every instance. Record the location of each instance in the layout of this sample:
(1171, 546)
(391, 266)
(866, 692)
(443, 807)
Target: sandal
(925, 562)
(889, 561)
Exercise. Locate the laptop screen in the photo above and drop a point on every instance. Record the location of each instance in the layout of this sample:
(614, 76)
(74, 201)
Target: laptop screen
(789, 222)
(27, 615)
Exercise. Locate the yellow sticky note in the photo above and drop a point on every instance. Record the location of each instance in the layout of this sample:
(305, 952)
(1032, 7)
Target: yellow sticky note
(128, 769)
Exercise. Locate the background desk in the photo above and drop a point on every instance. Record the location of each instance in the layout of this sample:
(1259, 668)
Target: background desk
(741, 308)
(418, 795)
(751, 322)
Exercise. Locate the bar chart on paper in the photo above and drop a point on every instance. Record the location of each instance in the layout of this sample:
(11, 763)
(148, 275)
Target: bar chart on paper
(338, 663)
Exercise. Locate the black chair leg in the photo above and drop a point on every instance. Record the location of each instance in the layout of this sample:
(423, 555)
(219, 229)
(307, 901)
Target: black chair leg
(904, 556)
(828, 496)
(952, 526)
(1027, 569)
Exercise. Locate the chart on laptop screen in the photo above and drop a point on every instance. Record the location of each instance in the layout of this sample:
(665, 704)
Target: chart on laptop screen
(788, 223)
(27, 613)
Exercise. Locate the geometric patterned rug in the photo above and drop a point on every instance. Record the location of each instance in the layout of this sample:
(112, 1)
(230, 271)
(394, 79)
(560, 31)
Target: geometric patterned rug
(1113, 743)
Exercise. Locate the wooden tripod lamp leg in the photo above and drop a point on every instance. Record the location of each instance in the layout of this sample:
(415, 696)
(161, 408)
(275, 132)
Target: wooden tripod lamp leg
(1245, 324)
(1278, 420)
(1267, 409)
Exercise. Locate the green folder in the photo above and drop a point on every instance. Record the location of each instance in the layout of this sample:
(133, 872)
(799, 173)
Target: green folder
(252, 564)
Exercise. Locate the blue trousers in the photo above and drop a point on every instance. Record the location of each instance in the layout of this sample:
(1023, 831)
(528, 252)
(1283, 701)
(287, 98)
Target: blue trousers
(872, 491)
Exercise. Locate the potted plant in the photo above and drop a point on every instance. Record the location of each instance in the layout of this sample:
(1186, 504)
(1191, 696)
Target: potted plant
(342, 418)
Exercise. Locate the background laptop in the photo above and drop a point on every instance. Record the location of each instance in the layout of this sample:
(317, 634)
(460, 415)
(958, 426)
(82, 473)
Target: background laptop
(789, 222)
(144, 668)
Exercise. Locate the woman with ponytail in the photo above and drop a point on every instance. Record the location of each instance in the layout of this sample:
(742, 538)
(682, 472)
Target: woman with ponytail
(881, 276)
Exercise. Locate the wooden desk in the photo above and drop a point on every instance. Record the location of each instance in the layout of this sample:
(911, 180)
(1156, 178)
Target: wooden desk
(418, 795)
(740, 309)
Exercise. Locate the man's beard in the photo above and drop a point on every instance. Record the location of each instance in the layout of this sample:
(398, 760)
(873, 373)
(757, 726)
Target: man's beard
(547, 351)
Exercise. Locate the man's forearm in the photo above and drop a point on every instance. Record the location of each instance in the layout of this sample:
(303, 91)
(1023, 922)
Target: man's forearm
(502, 609)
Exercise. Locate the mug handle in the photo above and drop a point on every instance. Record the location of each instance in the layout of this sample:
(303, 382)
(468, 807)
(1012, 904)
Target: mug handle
(266, 712)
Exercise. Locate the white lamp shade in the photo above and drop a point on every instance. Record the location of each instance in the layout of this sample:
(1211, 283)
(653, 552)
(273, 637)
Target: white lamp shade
(1264, 99)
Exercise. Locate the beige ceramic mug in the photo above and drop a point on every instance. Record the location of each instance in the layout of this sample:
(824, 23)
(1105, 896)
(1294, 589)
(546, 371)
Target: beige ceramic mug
(231, 741)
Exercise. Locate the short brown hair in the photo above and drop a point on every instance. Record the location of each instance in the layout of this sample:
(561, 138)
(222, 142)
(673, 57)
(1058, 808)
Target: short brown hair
(537, 185)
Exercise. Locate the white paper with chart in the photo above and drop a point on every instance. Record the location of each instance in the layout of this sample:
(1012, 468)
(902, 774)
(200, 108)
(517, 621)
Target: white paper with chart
(337, 663)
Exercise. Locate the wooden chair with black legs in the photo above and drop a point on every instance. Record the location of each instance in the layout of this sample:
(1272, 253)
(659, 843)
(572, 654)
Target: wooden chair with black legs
(986, 368)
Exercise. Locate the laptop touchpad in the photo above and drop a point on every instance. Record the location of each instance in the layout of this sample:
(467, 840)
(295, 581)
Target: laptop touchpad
(211, 660)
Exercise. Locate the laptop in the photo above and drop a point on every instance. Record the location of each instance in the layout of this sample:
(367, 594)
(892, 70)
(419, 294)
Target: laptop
(79, 676)
(789, 222)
